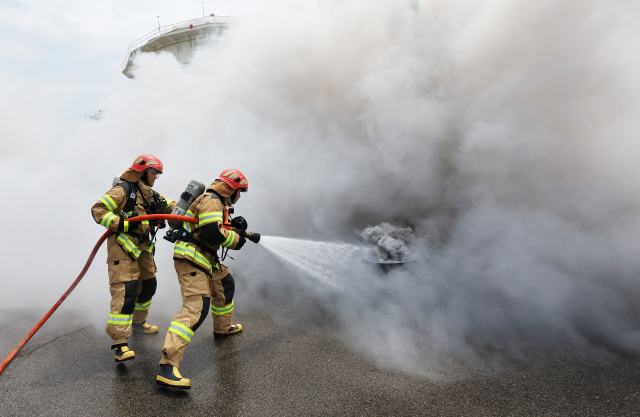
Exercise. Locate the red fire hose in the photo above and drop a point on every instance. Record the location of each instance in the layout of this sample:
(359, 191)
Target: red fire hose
(84, 271)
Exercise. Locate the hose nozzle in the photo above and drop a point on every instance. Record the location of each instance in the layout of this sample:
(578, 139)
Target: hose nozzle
(252, 236)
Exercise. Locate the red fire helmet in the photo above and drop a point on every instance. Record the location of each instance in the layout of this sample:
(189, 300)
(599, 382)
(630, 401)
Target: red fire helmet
(146, 161)
(234, 179)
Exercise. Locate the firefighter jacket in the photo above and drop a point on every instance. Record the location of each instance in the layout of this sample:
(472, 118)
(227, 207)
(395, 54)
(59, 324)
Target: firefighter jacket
(135, 235)
(208, 235)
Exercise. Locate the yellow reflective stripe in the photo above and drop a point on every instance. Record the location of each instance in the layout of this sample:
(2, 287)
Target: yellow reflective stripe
(126, 226)
(213, 216)
(107, 219)
(181, 330)
(182, 248)
(120, 319)
(129, 245)
(169, 201)
(179, 248)
(145, 222)
(144, 306)
(180, 333)
(187, 225)
(222, 310)
(202, 260)
(151, 244)
(108, 201)
(229, 240)
(183, 327)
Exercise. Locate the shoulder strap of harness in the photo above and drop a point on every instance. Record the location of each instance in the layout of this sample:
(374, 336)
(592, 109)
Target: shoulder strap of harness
(215, 195)
(131, 191)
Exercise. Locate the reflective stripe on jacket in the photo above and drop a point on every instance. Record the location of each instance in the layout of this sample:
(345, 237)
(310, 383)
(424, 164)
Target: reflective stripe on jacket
(208, 211)
(106, 212)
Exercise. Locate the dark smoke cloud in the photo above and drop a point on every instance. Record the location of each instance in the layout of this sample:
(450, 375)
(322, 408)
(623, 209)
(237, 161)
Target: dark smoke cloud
(390, 242)
(503, 134)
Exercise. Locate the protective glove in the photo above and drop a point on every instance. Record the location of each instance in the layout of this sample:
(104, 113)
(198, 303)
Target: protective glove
(239, 223)
(123, 225)
(240, 243)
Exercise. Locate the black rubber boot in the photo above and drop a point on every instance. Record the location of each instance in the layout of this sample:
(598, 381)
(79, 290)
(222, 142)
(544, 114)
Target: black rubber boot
(144, 327)
(235, 328)
(170, 377)
(123, 353)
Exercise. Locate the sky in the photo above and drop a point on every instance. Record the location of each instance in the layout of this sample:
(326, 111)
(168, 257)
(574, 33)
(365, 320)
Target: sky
(72, 51)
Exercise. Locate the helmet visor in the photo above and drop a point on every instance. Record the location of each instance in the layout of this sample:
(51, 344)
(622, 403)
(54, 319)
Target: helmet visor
(152, 171)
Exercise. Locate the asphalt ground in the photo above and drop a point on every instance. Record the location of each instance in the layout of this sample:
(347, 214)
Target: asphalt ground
(294, 365)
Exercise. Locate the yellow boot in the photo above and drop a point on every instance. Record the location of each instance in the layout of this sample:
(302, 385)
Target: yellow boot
(144, 327)
(123, 353)
(170, 377)
(235, 328)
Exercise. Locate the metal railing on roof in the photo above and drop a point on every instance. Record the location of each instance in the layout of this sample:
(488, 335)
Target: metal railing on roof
(174, 27)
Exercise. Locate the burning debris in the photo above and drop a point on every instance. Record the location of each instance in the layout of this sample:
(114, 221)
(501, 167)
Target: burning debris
(391, 242)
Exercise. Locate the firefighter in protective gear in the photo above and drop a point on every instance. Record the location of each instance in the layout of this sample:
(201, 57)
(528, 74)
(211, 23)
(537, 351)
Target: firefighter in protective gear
(132, 270)
(204, 281)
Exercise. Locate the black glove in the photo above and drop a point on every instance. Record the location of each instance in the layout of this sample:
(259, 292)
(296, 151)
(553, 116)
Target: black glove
(240, 243)
(239, 223)
(124, 216)
(121, 223)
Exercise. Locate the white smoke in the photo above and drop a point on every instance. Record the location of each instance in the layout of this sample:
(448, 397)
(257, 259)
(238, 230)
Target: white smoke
(503, 133)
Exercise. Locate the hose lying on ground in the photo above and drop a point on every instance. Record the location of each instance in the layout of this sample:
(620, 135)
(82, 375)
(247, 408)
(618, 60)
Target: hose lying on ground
(84, 271)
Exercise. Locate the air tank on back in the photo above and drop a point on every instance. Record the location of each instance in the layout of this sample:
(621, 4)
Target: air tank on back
(193, 191)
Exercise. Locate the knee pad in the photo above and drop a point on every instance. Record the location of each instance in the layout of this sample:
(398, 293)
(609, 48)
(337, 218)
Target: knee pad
(148, 290)
(229, 286)
(130, 295)
(206, 302)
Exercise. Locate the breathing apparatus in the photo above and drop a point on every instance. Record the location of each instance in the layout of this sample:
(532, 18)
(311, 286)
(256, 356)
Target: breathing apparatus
(155, 206)
(193, 191)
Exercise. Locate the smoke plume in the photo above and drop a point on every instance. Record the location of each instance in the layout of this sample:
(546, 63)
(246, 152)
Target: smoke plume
(500, 137)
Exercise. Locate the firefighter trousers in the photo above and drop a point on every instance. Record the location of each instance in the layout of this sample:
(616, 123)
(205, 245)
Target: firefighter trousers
(132, 284)
(199, 291)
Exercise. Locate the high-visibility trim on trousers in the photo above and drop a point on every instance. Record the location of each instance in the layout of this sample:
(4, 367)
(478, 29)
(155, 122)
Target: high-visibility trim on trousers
(144, 306)
(218, 311)
(181, 330)
(120, 319)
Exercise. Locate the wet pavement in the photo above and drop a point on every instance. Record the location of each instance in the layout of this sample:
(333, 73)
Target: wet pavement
(292, 367)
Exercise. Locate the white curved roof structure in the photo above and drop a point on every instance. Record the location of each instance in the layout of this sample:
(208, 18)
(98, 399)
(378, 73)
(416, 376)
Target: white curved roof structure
(181, 39)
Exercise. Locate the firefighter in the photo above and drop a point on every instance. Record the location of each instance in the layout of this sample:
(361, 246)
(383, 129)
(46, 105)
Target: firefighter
(132, 270)
(204, 281)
